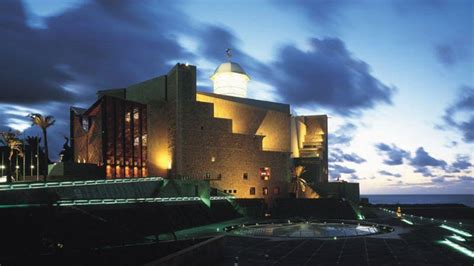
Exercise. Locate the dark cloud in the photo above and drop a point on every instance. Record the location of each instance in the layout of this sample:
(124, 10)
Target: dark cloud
(324, 12)
(356, 177)
(422, 159)
(29, 72)
(423, 162)
(337, 155)
(343, 135)
(395, 155)
(329, 76)
(452, 144)
(101, 44)
(438, 179)
(466, 178)
(462, 162)
(222, 39)
(97, 45)
(416, 6)
(425, 171)
(463, 105)
(336, 171)
(387, 173)
(447, 54)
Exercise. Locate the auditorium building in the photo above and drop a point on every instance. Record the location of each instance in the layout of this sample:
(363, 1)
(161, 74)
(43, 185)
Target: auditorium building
(165, 127)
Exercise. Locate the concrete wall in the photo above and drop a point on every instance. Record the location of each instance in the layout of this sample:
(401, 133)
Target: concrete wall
(338, 190)
(311, 131)
(253, 120)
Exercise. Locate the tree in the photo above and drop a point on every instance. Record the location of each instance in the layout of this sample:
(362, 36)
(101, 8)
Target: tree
(297, 182)
(11, 140)
(43, 122)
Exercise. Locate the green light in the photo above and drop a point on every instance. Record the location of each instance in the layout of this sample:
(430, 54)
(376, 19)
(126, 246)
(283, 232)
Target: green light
(132, 200)
(407, 221)
(458, 238)
(20, 206)
(360, 216)
(458, 247)
(463, 233)
(76, 183)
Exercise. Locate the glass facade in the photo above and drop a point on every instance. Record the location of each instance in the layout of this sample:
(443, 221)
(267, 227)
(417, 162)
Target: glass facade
(124, 138)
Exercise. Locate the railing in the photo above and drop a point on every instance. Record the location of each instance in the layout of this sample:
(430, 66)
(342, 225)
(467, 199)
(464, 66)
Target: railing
(83, 202)
(76, 183)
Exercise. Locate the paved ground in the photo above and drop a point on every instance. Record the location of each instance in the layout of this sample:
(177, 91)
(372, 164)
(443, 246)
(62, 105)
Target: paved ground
(416, 244)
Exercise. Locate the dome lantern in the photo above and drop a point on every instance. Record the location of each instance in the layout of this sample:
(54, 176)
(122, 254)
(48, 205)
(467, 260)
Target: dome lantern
(230, 79)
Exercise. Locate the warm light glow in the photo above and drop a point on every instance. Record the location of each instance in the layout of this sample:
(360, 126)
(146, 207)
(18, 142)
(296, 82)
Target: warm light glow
(230, 83)
(32, 166)
(161, 158)
(108, 171)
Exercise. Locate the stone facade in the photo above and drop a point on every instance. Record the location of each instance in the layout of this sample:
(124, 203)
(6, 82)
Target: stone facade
(242, 146)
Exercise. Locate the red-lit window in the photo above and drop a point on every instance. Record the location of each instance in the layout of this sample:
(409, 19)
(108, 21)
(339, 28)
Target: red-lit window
(265, 173)
(276, 190)
(265, 191)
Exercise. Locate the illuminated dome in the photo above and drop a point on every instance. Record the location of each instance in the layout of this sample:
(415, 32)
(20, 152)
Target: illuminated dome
(230, 79)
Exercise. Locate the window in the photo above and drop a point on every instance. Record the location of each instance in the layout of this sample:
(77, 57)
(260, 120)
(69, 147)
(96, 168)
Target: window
(202, 128)
(252, 191)
(235, 191)
(276, 190)
(196, 191)
(85, 123)
(208, 175)
(225, 191)
(136, 113)
(213, 159)
(265, 191)
(265, 173)
(219, 176)
(246, 176)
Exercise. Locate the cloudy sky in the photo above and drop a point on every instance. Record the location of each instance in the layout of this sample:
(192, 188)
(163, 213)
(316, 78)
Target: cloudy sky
(395, 77)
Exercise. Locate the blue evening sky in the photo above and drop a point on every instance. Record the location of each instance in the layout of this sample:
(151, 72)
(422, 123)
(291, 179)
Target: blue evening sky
(400, 73)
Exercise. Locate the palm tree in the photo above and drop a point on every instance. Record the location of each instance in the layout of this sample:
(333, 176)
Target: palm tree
(43, 122)
(11, 140)
(298, 183)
